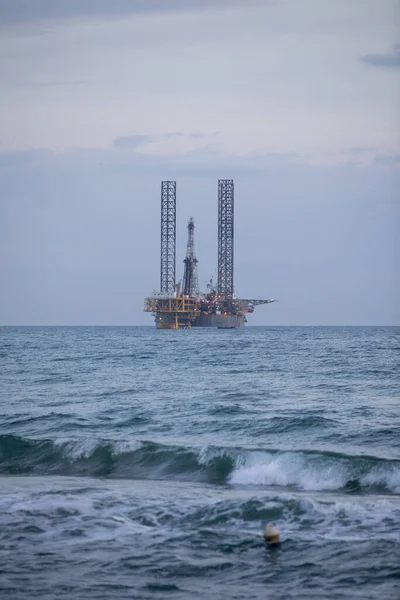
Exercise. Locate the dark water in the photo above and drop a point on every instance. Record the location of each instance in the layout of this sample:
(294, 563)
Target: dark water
(137, 463)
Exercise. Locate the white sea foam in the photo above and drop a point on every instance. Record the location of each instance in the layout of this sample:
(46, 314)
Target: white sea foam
(84, 448)
(388, 478)
(207, 453)
(50, 504)
(77, 449)
(121, 447)
(311, 473)
(288, 470)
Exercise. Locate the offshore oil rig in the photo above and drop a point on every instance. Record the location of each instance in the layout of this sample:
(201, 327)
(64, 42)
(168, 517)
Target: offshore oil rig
(181, 305)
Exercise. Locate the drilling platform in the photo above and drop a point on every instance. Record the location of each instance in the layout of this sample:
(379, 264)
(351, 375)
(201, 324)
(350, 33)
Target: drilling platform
(181, 305)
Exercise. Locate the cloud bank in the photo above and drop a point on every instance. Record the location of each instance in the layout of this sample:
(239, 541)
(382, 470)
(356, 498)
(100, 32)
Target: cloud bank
(20, 11)
(387, 61)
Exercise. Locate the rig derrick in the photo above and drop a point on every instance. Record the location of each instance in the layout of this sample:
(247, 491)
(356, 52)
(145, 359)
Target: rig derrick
(190, 284)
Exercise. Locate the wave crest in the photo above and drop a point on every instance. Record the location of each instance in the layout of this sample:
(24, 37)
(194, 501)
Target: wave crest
(132, 459)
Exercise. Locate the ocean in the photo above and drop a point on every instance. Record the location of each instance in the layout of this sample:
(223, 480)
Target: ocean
(137, 463)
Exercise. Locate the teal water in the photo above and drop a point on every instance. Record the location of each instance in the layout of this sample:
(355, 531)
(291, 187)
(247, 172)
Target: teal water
(137, 463)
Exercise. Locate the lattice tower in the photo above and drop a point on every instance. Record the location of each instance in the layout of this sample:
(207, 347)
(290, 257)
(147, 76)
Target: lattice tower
(168, 237)
(225, 237)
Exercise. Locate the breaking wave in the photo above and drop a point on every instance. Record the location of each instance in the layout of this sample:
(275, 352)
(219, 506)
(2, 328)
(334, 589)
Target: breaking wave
(305, 470)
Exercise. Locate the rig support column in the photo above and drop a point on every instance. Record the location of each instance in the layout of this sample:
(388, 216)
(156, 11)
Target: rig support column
(225, 237)
(168, 237)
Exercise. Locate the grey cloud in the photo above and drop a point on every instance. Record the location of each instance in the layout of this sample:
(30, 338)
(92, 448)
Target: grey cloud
(387, 160)
(388, 61)
(198, 134)
(360, 150)
(173, 134)
(60, 83)
(193, 135)
(202, 162)
(17, 11)
(24, 157)
(131, 142)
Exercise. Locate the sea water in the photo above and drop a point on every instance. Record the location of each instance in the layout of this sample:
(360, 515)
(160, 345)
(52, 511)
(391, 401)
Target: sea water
(137, 463)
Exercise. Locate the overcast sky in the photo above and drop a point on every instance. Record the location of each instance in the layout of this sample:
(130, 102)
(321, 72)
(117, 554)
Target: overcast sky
(296, 100)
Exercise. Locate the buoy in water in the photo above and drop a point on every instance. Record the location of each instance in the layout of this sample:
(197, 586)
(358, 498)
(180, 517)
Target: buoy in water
(271, 534)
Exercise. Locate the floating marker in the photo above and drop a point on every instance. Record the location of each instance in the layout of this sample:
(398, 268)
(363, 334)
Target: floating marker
(271, 534)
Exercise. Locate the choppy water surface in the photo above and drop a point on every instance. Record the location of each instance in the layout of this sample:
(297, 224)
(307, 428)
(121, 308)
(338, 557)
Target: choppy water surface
(137, 463)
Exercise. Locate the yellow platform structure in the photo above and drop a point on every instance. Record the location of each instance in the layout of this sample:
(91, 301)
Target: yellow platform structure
(171, 312)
